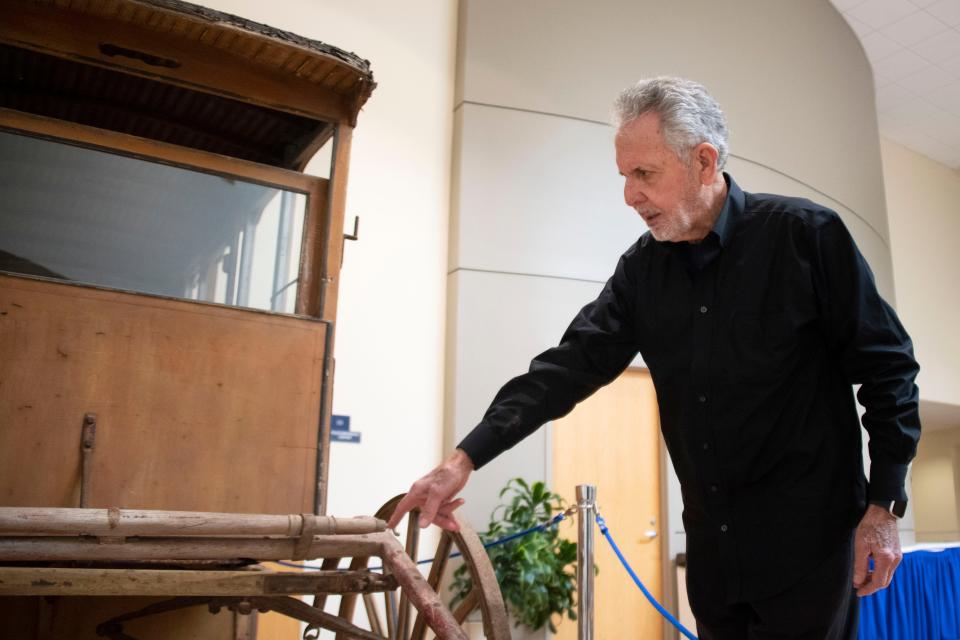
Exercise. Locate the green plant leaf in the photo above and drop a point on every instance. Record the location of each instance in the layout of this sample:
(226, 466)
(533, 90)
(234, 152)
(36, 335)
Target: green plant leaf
(537, 573)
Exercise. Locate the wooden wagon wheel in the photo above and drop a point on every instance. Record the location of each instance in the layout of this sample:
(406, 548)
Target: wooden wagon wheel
(402, 621)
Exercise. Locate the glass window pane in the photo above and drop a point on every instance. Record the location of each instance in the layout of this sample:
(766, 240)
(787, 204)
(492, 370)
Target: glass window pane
(99, 218)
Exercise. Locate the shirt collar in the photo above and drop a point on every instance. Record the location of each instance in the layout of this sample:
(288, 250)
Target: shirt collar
(732, 208)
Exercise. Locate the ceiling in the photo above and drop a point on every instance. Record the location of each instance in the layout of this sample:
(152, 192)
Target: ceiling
(914, 49)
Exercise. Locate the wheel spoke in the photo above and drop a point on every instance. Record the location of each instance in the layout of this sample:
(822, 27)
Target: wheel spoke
(372, 614)
(391, 615)
(469, 604)
(439, 565)
(328, 564)
(348, 601)
(412, 546)
(440, 559)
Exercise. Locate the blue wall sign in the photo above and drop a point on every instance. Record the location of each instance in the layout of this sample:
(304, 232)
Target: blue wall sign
(340, 430)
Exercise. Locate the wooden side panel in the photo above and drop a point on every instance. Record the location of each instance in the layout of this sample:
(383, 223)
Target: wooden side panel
(199, 407)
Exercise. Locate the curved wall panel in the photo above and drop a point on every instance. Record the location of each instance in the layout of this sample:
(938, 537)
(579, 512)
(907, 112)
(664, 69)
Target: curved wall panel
(791, 76)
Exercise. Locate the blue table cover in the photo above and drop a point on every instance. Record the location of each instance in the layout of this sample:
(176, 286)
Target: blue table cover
(921, 603)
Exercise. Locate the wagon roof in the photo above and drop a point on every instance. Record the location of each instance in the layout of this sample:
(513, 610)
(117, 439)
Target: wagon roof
(181, 73)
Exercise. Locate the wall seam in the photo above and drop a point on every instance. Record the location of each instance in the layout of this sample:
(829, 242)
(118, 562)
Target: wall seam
(757, 163)
(521, 273)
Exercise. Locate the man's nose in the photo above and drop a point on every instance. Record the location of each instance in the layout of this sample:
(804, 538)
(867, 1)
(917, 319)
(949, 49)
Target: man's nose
(633, 195)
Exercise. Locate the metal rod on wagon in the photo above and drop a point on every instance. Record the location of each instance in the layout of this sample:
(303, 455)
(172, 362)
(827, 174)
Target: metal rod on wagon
(586, 512)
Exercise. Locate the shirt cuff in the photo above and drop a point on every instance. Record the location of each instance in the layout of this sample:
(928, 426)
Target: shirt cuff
(887, 481)
(481, 445)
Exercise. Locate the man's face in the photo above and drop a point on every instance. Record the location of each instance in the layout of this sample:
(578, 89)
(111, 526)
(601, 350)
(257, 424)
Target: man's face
(666, 192)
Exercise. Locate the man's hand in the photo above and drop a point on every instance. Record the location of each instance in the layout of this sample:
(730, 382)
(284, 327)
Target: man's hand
(434, 493)
(877, 536)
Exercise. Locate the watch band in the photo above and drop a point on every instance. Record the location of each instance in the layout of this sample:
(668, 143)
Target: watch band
(898, 508)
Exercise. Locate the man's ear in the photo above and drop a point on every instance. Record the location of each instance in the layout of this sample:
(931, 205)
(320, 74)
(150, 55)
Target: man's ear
(705, 157)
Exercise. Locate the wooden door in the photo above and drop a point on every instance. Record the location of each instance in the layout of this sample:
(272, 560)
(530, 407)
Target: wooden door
(612, 440)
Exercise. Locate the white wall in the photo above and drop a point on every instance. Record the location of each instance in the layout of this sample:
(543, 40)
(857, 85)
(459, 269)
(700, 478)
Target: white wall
(390, 326)
(936, 475)
(922, 197)
(923, 200)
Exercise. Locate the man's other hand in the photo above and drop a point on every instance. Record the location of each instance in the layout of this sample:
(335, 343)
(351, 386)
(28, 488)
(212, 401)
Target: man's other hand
(434, 494)
(877, 537)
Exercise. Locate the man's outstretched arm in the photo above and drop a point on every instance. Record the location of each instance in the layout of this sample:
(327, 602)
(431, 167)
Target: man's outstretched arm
(596, 347)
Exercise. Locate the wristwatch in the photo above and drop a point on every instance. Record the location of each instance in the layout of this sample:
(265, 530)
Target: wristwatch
(896, 507)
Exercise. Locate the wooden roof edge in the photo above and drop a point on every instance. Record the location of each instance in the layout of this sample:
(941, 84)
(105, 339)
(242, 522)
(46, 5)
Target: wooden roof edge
(206, 14)
(35, 26)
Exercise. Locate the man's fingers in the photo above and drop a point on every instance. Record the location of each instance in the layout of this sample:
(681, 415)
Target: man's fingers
(429, 508)
(868, 587)
(403, 508)
(861, 561)
(884, 563)
(433, 493)
(445, 518)
(432, 510)
(447, 522)
(447, 508)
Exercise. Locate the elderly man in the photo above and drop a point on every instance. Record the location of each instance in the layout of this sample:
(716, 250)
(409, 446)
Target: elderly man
(756, 314)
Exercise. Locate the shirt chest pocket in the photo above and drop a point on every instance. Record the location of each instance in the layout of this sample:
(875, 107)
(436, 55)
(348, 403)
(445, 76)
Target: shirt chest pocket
(759, 346)
(666, 339)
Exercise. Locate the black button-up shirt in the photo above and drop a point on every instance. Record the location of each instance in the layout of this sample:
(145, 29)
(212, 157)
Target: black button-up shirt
(754, 338)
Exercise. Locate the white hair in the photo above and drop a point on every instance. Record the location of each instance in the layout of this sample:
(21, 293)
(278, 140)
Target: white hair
(688, 113)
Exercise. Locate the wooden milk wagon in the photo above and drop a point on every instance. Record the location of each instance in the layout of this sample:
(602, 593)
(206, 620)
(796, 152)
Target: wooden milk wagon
(168, 292)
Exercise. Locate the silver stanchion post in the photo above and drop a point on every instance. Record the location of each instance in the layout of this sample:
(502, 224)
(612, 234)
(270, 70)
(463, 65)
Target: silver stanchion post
(586, 512)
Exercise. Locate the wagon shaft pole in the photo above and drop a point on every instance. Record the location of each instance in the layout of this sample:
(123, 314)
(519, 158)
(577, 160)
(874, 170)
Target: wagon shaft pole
(141, 522)
(64, 548)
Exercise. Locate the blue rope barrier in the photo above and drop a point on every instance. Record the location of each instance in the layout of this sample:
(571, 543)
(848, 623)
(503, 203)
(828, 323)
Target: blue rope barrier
(555, 520)
(626, 565)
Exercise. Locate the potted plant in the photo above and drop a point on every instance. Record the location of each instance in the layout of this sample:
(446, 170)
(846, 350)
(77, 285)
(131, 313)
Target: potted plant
(536, 572)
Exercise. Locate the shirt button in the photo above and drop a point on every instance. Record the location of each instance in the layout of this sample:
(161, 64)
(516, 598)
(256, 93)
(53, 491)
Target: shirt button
(706, 445)
(713, 488)
(703, 309)
(723, 528)
(701, 398)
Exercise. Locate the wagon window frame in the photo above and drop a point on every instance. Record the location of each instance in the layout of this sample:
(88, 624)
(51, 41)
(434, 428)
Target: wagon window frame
(316, 223)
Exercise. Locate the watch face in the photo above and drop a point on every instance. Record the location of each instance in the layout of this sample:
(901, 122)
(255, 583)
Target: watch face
(899, 508)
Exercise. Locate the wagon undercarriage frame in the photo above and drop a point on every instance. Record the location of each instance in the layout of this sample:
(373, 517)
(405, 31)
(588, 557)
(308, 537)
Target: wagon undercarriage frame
(160, 553)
